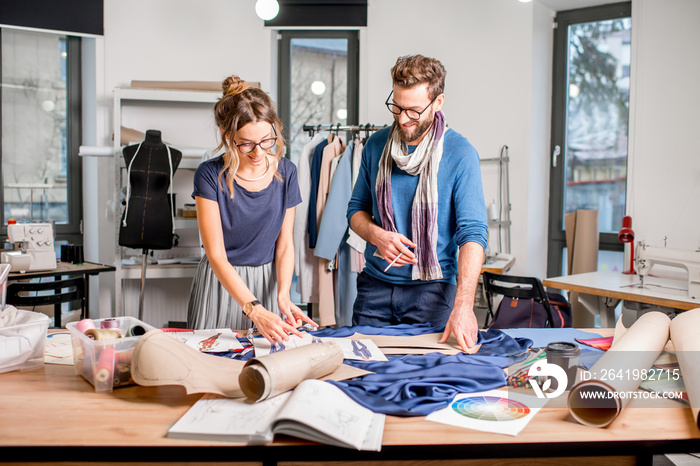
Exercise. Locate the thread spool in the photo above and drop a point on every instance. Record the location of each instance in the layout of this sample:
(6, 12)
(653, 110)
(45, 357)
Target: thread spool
(103, 334)
(122, 375)
(125, 357)
(105, 365)
(84, 325)
(136, 331)
(110, 323)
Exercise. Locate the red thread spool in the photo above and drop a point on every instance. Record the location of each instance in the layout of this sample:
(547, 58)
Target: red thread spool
(105, 365)
(626, 235)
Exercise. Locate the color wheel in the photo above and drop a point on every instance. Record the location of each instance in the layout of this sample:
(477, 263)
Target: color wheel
(490, 408)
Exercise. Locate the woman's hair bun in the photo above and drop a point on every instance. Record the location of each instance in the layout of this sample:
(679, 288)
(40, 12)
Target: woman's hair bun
(234, 85)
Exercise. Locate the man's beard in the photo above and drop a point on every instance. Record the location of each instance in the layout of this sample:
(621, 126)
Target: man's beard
(416, 131)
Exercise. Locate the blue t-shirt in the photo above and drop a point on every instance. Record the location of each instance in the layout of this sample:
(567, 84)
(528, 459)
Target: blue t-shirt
(461, 206)
(252, 221)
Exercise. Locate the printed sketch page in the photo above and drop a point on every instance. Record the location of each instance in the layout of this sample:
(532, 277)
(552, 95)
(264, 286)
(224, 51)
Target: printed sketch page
(333, 418)
(214, 341)
(216, 418)
(353, 348)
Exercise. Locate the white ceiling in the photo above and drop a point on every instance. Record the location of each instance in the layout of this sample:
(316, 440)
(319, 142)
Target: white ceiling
(561, 5)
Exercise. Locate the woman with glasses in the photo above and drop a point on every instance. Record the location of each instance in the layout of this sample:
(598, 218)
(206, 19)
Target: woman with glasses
(245, 202)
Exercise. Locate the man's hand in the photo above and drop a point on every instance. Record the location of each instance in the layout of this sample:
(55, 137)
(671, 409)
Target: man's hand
(390, 245)
(462, 323)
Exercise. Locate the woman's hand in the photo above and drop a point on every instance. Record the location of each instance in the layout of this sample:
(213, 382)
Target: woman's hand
(270, 325)
(292, 314)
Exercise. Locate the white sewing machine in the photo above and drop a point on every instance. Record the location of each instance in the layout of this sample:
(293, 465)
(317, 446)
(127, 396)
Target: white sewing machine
(647, 256)
(36, 247)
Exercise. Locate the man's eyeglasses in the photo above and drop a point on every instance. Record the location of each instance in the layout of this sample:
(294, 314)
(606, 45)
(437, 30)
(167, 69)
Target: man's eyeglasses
(410, 113)
(265, 144)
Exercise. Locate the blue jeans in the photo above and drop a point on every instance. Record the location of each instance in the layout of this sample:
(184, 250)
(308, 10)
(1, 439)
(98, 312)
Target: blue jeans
(380, 303)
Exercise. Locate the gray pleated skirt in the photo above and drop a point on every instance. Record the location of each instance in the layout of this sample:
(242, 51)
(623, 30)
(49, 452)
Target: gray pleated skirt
(212, 307)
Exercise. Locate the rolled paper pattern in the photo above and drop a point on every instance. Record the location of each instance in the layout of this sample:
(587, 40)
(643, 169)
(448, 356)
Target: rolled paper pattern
(276, 373)
(684, 336)
(593, 402)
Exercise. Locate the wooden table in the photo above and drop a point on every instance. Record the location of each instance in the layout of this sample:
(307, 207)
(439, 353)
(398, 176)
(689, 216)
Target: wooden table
(500, 264)
(64, 269)
(51, 414)
(601, 292)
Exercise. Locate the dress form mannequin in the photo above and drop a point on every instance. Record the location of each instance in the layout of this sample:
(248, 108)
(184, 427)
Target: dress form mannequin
(147, 221)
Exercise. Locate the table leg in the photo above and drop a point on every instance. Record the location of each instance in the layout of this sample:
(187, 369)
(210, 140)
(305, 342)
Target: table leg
(86, 308)
(599, 306)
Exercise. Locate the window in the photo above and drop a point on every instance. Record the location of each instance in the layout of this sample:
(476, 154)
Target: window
(590, 127)
(41, 118)
(318, 82)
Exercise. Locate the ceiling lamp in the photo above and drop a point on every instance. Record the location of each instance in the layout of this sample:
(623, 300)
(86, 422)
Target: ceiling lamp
(267, 9)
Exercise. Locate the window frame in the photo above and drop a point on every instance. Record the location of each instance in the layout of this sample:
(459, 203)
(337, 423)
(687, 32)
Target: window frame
(556, 242)
(284, 38)
(72, 230)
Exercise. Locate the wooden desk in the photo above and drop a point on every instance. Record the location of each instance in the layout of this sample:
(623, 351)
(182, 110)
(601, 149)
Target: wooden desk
(500, 264)
(601, 292)
(66, 269)
(51, 414)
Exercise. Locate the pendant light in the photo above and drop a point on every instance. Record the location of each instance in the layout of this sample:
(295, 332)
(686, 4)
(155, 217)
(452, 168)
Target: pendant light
(267, 9)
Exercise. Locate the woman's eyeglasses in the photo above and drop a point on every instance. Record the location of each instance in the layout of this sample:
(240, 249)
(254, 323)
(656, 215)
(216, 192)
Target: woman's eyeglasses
(265, 144)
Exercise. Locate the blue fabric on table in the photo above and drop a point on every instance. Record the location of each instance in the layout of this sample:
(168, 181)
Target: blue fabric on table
(416, 385)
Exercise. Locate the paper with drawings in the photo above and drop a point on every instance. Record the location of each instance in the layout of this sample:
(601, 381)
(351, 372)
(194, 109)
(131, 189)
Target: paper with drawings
(210, 340)
(315, 410)
(356, 349)
(497, 411)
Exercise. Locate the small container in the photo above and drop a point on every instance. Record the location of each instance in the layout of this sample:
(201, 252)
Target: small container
(106, 364)
(564, 355)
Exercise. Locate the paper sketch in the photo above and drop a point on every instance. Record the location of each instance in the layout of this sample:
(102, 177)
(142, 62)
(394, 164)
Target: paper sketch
(353, 348)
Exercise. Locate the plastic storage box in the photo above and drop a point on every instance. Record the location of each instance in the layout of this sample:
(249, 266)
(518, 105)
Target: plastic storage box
(23, 344)
(106, 363)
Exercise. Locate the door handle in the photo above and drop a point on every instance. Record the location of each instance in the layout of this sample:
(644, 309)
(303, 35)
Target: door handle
(555, 155)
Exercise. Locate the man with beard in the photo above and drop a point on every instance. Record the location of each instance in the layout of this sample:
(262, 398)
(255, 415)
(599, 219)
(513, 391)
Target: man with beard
(419, 204)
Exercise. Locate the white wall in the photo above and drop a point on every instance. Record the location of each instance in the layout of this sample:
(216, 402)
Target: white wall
(664, 162)
(487, 50)
(498, 59)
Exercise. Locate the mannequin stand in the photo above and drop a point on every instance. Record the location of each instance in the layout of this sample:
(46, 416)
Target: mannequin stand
(143, 282)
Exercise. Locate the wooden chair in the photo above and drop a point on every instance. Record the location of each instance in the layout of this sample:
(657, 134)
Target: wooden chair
(43, 293)
(513, 286)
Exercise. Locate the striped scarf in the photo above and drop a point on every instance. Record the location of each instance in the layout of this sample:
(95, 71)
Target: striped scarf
(424, 161)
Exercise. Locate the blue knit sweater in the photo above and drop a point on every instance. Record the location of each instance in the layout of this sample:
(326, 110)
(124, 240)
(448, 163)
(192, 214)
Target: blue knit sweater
(461, 206)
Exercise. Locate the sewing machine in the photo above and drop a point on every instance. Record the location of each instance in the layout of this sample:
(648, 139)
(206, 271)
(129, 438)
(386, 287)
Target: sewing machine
(36, 250)
(647, 256)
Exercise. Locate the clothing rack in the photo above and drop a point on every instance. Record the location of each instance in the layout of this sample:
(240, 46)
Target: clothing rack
(313, 129)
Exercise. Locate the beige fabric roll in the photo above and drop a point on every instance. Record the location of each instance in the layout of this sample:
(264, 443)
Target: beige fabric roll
(632, 353)
(276, 373)
(684, 330)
